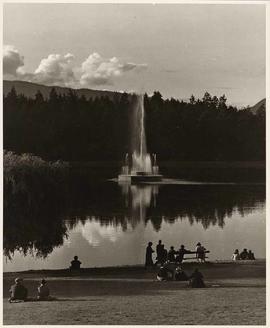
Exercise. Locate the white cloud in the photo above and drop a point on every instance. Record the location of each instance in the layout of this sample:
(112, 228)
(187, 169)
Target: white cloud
(12, 60)
(97, 70)
(59, 69)
(56, 70)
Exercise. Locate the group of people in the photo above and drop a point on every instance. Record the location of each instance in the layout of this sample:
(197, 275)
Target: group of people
(19, 293)
(168, 271)
(244, 255)
(162, 255)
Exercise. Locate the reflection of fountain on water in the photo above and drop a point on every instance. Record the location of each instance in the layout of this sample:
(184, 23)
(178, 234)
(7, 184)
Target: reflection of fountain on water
(139, 198)
(140, 166)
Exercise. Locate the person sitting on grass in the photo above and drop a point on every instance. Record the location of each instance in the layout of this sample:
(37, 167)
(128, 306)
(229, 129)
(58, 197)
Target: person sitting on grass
(75, 264)
(236, 256)
(18, 293)
(196, 279)
(43, 291)
(162, 274)
(166, 271)
(251, 255)
(244, 254)
(180, 274)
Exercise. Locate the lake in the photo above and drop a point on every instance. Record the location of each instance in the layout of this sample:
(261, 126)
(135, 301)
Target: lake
(107, 224)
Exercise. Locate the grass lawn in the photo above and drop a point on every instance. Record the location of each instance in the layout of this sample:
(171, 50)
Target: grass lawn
(212, 306)
(236, 295)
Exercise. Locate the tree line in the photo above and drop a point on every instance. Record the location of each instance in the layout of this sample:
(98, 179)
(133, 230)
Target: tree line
(73, 128)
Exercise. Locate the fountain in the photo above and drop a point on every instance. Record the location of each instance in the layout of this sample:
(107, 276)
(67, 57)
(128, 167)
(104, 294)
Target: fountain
(140, 166)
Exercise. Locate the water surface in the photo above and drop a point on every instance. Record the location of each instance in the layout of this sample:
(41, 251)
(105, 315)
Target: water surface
(111, 224)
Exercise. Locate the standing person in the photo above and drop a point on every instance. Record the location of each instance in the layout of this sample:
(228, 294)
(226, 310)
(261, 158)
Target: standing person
(244, 254)
(43, 291)
(159, 251)
(18, 292)
(164, 254)
(75, 264)
(196, 279)
(148, 256)
(200, 252)
(171, 254)
(236, 256)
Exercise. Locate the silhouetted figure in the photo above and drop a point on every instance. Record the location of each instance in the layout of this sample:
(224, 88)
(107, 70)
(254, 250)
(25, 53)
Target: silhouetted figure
(159, 251)
(164, 254)
(182, 251)
(148, 256)
(162, 274)
(180, 274)
(251, 255)
(75, 264)
(196, 279)
(43, 291)
(200, 252)
(170, 269)
(171, 254)
(236, 256)
(18, 292)
(244, 254)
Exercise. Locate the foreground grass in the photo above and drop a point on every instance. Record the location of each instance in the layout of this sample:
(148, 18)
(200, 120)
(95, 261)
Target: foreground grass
(212, 306)
(235, 295)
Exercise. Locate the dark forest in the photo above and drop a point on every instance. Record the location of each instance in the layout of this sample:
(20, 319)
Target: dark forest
(74, 128)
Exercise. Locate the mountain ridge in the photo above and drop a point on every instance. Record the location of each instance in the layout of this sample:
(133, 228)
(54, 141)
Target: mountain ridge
(29, 89)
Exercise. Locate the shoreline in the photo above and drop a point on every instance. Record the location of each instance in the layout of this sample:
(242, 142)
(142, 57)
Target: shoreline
(213, 267)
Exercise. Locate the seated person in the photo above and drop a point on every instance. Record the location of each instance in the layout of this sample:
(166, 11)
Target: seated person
(162, 274)
(236, 256)
(75, 264)
(196, 279)
(244, 254)
(18, 292)
(182, 251)
(43, 291)
(251, 255)
(180, 275)
(170, 268)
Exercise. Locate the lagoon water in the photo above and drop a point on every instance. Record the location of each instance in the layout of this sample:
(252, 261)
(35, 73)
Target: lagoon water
(111, 224)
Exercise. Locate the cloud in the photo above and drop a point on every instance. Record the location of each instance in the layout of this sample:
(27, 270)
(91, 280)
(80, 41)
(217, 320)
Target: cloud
(97, 70)
(55, 69)
(12, 60)
(59, 69)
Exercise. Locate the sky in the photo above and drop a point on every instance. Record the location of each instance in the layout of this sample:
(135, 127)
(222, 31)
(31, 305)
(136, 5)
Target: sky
(177, 49)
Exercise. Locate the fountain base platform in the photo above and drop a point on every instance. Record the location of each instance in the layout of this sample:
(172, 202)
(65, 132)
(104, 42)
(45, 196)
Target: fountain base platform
(139, 177)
